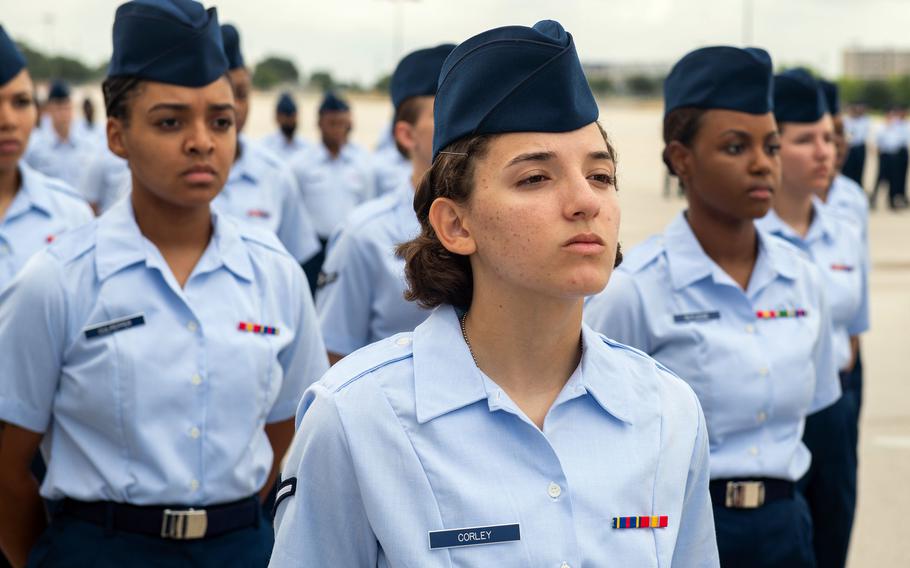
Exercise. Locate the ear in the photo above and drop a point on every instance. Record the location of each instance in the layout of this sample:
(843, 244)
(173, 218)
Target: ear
(680, 158)
(447, 219)
(404, 135)
(115, 138)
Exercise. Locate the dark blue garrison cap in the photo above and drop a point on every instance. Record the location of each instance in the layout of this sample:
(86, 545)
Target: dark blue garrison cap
(11, 60)
(721, 77)
(333, 103)
(59, 89)
(832, 95)
(286, 104)
(169, 41)
(231, 39)
(798, 97)
(512, 79)
(417, 74)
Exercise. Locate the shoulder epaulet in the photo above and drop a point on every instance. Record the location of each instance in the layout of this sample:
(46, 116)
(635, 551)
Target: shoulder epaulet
(637, 354)
(786, 247)
(72, 244)
(260, 236)
(643, 254)
(368, 359)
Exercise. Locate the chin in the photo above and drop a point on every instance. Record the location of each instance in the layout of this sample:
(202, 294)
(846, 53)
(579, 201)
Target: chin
(586, 283)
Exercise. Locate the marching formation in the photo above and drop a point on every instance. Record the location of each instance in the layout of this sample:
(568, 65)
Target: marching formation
(219, 351)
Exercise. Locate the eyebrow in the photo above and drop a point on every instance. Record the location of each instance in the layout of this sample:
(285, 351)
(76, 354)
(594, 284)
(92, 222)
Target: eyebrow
(745, 134)
(218, 107)
(545, 156)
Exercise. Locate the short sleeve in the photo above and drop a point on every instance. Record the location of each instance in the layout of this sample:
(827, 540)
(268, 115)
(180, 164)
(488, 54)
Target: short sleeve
(296, 231)
(324, 522)
(860, 321)
(696, 543)
(827, 381)
(33, 336)
(304, 360)
(618, 313)
(344, 301)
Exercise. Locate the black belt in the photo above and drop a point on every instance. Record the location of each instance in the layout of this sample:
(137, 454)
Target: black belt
(749, 493)
(179, 523)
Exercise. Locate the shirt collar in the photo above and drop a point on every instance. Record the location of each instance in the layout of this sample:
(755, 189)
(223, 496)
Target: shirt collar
(689, 263)
(346, 154)
(820, 229)
(446, 378)
(120, 244)
(31, 194)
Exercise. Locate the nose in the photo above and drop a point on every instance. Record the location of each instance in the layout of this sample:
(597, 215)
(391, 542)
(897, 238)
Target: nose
(763, 163)
(581, 202)
(199, 140)
(7, 122)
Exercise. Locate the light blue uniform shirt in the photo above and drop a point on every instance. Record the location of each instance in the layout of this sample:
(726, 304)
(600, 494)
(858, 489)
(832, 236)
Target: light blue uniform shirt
(166, 401)
(333, 187)
(287, 150)
(847, 200)
(857, 129)
(362, 298)
(892, 136)
(392, 169)
(57, 158)
(42, 209)
(106, 179)
(838, 251)
(261, 190)
(407, 436)
(757, 379)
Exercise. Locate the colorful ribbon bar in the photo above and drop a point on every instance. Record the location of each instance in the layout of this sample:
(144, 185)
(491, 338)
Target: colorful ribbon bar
(842, 267)
(774, 314)
(257, 328)
(642, 522)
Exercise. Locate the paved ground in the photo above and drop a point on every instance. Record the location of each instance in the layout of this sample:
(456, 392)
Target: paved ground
(881, 536)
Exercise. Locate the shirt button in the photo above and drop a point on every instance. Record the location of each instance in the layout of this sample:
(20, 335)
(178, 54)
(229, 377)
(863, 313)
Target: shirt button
(750, 328)
(554, 490)
(194, 432)
(194, 484)
(197, 379)
(191, 325)
(762, 417)
(753, 450)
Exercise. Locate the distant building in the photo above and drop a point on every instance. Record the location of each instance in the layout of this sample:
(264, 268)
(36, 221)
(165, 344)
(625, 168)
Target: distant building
(869, 64)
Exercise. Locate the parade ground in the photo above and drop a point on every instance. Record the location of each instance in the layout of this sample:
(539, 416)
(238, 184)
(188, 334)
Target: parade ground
(880, 534)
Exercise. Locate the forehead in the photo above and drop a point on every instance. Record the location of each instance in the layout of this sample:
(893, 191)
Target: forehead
(151, 93)
(824, 124)
(335, 115)
(22, 81)
(576, 143)
(722, 120)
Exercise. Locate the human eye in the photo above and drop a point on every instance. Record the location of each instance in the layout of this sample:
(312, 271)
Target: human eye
(535, 179)
(605, 179)
(23, 101)
(773, 149)
(734, 149)
(168, 123)
(223, 123)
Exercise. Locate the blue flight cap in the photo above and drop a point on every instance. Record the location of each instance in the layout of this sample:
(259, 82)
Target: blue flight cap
(798, 97)
(333, 103)
(832, 95)
(59, 90)
(169, 41)
(231, 39)
(417, 74)
(512, 79)
(286, 104)
(11, 60)
(721, 77)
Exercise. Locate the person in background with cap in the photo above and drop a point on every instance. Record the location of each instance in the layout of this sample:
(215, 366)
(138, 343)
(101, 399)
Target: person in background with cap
(334, 177)
(836, 247)
(59, 151)
(34, 208)
(857, 126)
(503, 420)
(892, 140)
(737, 313)
(391, 167)
(157, 354)
(285, 143)
(361, 296)
(106, 179)
(261, 189)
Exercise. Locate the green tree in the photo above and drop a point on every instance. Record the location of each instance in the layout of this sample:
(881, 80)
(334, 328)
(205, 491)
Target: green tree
(273, 71)
(601, 85)
(382, 84)
(643, 85)
(322, 80)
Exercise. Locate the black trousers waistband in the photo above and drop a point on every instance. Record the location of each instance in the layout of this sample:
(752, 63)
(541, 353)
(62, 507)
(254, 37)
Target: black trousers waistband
(174, 522)
(773, 489)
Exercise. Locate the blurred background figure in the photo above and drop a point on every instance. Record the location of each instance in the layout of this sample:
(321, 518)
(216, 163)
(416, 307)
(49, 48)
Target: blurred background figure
(892, 139)
(856, 126)
(285, 143)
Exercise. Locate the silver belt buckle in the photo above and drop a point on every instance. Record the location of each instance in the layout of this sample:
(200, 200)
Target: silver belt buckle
(745, 494)
(184, 524)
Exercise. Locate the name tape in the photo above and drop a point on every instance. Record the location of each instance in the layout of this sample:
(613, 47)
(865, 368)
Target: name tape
(108, 327)
(474, 536)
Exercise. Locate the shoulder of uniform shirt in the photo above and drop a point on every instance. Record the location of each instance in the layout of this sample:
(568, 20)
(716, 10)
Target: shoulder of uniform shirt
(59, 188)
(367, 215)
(74, 243)
(267, 156)
(259, 237)
(778, 242)
(635, 355)
(367, 360)
(642, 255)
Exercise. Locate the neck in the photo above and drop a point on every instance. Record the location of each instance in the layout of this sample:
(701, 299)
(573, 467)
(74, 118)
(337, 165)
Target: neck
(168, 226)
(726, 241)
(417, 172)
(794, 209)
(10, 181)
(63, 131)
(528, 345)
(334, 149)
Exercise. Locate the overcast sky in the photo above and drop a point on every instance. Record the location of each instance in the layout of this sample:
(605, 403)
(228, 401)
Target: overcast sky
(361, 39)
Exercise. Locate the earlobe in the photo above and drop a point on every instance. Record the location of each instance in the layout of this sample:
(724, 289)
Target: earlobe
(115, 138)
(404, 135)
(447, 219)
(678, 156)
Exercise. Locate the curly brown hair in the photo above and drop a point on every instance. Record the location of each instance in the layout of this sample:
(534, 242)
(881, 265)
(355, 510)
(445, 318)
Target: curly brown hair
(436, 276)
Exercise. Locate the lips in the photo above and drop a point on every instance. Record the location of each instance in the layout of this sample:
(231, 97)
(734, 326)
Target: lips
(10, 146)
(199, 174)
(585, 243)
(760, 192)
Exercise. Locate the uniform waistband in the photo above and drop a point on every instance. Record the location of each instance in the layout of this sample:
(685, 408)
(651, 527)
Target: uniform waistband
(749, 493)
(170, 522)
